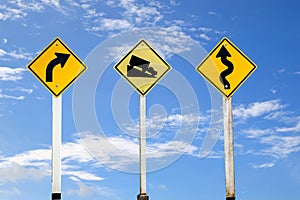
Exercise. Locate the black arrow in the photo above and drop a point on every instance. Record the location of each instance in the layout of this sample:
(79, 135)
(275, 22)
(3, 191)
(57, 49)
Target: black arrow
(223, 53)
(61, 58)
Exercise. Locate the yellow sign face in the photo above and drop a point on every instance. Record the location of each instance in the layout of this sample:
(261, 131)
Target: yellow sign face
(57, 67)
(226, 67)
(142, 67)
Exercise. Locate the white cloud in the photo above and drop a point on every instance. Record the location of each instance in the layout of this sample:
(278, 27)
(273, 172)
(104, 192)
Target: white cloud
(163, 127)
(264, 165)
(114, 24)
(120, 50)
(15, 172)
(257, 133)
(36, 164)
(85, 190)
(122, 153)
(20, 89)
(2, 53)
(274, 91)
(28, 165)
(174, 3)
(276, 142)
(82, 175)
(13, 191)
(131, 14)
(281, 146)
(277, 138)
(21, 9)
(16, 54)
(295, 128)
(147, 15)
(74, 151)
(18, 9)
(11, 74)
(161, 187)
(218, 32)
(187, 119)
(4, 40)
(204, 37)
(212, 13)
(110, 3)
(166, 41)
(5, 96)
(205, 29)
(116, 152)
(272, 143)
(176, 22)
(157, 187)
(162, 150)
(284, 116)
(92, 13)
(257, 109)
(11, 13)
(54, 3)
(171, 40)
(27, 5)
(33, 158)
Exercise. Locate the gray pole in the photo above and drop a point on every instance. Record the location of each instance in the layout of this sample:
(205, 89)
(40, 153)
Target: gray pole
(228, 149)
(142, 195)
(56, 145)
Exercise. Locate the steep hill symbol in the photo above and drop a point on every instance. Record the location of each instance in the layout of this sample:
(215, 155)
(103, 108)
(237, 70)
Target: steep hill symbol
(139, 67)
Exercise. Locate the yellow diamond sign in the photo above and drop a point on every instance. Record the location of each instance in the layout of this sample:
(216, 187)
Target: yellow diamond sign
(142, 67)
(57, 67)
(226, 67)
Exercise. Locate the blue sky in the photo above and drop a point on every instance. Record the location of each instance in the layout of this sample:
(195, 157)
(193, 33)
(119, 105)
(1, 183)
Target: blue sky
(99, 153)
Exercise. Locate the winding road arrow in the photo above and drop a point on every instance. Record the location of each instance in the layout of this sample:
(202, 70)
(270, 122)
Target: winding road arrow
(223, 53)
(61, 58)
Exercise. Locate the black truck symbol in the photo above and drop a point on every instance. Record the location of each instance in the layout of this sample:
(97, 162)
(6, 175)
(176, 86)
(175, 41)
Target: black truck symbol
(139, 67)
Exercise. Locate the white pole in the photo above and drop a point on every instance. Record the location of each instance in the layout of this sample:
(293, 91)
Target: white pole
(228, 149)
(56, 145)
(143, 194)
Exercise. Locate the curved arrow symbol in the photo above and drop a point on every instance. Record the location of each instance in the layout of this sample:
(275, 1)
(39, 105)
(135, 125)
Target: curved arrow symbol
(223, 53)
(61, 58)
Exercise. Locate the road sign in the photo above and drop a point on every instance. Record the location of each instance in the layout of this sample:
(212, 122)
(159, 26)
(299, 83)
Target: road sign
(142, 67)
(57, 67)
(226, 67)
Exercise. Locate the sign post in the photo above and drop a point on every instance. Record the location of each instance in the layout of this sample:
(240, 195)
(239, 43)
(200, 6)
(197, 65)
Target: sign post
(228, 149)
(143, 191)
(142, 68)
(56, 67)
(56, 147)
(226, 68)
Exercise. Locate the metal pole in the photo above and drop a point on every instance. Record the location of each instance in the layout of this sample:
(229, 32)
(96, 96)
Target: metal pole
(143, 195)
(56, 144)
(228, 149)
